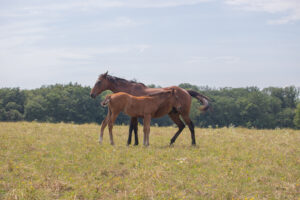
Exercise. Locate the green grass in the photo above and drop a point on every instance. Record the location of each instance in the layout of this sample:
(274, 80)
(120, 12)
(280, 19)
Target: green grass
(65, 161)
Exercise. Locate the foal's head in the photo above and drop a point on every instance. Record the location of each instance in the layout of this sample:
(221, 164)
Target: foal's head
(101, 85)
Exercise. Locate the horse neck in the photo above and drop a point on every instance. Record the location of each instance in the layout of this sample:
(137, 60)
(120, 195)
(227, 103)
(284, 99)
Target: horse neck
(119, 88)
(128, 88)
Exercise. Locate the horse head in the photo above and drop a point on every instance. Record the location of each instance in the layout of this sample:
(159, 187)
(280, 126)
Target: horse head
(101, 85)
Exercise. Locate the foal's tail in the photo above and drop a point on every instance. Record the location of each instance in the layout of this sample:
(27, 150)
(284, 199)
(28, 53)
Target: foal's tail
(105, 102)
(203, 99)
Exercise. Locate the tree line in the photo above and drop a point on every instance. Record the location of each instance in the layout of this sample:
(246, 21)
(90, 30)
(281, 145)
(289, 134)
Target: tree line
(249, 107)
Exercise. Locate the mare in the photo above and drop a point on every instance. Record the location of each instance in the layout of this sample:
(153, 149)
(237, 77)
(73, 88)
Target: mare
(115, 84)
(146, 107)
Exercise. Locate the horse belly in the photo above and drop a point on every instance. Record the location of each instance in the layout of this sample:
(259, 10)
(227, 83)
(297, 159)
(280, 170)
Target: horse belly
(161, 112)
(133, 112)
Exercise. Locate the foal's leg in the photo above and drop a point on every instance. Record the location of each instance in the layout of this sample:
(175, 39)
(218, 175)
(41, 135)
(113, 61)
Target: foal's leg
(189, 122)
(174, 115)
(147, 120)
(133, 127)
(111, 122)
(103, 125)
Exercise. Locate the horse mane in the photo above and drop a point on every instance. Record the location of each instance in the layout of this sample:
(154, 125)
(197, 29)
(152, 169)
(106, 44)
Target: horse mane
(115, 79)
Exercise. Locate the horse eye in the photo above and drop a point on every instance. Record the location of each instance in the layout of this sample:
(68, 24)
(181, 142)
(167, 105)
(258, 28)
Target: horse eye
(99, 82)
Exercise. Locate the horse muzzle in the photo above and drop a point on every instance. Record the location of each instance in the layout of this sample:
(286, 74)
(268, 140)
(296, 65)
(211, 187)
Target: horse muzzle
(93, 96)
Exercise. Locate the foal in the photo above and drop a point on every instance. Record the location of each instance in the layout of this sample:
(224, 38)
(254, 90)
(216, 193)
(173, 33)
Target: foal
(146, 107)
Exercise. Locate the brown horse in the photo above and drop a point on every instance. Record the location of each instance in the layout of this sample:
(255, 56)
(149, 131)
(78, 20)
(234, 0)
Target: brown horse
(115, 84)
(152, 106)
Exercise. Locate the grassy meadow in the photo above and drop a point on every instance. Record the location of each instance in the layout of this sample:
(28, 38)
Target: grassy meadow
(65, 161)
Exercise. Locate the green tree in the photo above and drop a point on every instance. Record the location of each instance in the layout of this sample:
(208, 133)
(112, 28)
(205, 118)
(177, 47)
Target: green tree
(247, 107)
(36, 108)
(285, 118)
(297, 117)
(13, 115)
(11, 104)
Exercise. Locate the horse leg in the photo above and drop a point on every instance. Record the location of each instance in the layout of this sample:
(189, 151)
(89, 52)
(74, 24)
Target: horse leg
(103, 126)
(175, 118)
(189, 122)
(133, 127)
(111, 121)
(147, 120)
(130, 132)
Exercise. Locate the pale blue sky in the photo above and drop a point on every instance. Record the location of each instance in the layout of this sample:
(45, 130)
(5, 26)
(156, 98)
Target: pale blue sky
(219, 43)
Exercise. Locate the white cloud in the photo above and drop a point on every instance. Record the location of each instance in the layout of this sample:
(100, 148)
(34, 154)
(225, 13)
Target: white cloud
(22, 33)
(162, 4)
(117, 23)
(32, 8)
(23, 27)
(197, 59)
(59, 57)
(32, 66)
(211, 60)
(289, 8)
(46, 40)
(227, 59)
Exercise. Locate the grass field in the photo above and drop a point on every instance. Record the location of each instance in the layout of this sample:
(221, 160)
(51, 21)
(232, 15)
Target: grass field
(64, 161)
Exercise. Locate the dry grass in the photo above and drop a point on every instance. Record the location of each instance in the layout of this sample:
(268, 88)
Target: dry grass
(64, 161)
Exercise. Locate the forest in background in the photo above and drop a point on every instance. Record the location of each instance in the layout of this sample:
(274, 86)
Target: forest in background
(249, 107)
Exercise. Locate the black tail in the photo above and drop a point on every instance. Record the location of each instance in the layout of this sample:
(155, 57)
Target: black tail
(203, 99)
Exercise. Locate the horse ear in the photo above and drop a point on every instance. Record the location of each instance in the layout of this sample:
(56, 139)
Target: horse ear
(105, 74)
(173, 91)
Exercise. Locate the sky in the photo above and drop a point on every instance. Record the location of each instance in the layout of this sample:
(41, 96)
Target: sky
(215, 43)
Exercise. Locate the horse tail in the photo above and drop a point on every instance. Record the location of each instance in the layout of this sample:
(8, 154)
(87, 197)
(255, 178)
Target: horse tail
(203, 99)
(105, 102)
